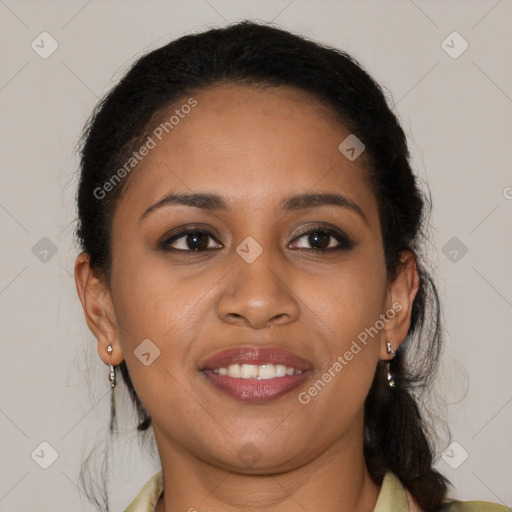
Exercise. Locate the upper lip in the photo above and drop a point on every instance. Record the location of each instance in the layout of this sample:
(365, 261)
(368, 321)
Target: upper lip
(256, 356)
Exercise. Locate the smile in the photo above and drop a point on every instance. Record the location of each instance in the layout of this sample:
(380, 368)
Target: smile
(256, 374)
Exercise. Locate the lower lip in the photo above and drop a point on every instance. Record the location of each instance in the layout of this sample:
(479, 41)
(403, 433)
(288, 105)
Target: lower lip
(254, 390)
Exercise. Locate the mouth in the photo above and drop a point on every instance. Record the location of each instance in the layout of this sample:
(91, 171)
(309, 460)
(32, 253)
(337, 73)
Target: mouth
(256, 374)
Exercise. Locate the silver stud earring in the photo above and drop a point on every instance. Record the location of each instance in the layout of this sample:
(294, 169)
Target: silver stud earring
(390, 350)
(112, 375)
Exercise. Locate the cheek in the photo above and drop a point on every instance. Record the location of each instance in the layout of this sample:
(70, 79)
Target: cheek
(164, 303)
(152, 304)
(349, 304)
(350, 299)
(148, 292)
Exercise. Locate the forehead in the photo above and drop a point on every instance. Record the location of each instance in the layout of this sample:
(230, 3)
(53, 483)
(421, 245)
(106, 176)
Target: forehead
(253, 145)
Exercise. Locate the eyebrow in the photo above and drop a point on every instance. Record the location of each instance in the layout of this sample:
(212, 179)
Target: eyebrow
(288, 204)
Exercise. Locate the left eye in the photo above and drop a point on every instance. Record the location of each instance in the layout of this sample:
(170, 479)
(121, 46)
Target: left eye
(325, 239)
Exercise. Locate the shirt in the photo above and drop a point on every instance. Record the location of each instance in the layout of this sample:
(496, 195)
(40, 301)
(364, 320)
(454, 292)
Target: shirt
(393, 497)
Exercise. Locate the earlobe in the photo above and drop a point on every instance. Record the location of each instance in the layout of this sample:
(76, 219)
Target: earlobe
(402, 292)
(98, 309)
(110, 354)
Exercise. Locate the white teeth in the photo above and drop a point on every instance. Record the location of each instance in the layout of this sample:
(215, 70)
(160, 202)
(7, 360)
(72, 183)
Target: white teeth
(253, 371)
(266, 371)
(280, 370)
(234, 370)
(248, 371)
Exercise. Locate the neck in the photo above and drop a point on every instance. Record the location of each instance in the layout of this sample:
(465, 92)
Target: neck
(335, 481)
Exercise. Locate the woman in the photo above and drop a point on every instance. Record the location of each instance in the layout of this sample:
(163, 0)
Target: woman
(249, 226)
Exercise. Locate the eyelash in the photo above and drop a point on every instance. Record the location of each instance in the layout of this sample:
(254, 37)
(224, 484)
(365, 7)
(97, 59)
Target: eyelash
(345, 243)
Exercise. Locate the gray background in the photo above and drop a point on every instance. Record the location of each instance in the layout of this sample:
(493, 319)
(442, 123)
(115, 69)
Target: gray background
(456, 112)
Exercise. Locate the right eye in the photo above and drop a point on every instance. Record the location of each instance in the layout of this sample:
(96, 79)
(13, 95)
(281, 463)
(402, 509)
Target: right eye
(189, 240)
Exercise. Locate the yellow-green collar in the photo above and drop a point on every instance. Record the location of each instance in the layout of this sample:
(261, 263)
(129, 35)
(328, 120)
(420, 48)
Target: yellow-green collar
(391, 497)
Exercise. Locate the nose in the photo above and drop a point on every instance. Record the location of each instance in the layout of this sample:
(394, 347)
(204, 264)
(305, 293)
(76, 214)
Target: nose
(258, 294)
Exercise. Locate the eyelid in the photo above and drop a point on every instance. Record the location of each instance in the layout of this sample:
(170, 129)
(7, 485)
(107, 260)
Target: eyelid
(188, 228)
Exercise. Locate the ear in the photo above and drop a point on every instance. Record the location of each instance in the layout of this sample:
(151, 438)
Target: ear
(401, 294)
(98, 308)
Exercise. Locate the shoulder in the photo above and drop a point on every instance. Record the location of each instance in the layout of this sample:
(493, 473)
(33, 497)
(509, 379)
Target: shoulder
(393, 487)
(474, 506)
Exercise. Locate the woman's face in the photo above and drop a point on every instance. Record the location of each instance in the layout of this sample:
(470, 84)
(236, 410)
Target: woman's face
(255, 282)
